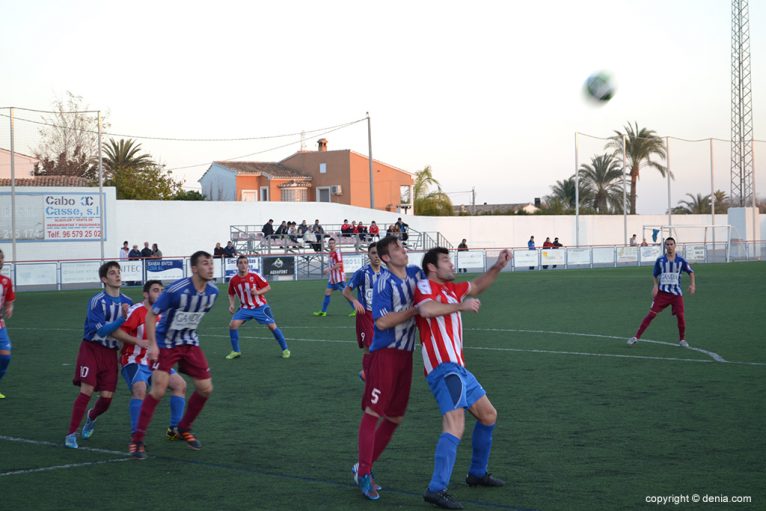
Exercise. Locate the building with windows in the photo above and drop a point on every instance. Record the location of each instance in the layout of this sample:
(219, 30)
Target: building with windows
(341, 176)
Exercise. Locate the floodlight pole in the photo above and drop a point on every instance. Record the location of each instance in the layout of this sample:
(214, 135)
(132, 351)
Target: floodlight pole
(624, 191)
(13, 193)
(712, 192)
(369, 150)
(667, 158)
(577, 195)
(100, 190)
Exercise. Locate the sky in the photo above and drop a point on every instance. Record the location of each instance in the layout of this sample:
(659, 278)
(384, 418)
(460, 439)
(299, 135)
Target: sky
(489, 94)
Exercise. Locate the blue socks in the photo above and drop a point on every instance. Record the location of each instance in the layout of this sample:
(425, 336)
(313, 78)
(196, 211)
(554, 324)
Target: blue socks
(444, 461)
(326, 303)
(482, 444)
(177, 404)
(279, 336)
(135, 411)
(4, 361)
(234, 337)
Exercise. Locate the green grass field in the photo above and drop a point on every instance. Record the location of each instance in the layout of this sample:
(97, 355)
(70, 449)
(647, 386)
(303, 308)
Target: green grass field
(585, 422)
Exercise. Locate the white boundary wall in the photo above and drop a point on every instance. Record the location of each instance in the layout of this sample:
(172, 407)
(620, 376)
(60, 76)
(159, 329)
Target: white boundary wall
(181, 227)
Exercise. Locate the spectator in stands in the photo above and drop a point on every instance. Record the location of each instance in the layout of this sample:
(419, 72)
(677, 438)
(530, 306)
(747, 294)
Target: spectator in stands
(230, 250)
(556, 245)
(134, 254)
(462, 247)
(282, 229)
(361, 231)
(268, 229)
(156, 252)
(218, 250)
(292, 232)
(547, 245)
(644, 243)
(633, 241)
(403, 229)
(318, 231)
(310, 239)
(374, 231)
(346, 229)
(124, 251)
(303, 228)
(393, 230)
(531, 246)
(146, 252)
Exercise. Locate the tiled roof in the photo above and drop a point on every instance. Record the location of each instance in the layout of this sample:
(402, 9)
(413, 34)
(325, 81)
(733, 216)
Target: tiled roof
(48, 181)
(272, 170)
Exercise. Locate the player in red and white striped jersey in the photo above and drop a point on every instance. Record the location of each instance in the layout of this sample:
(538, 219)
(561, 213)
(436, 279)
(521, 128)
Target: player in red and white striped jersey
(249, 287)
(440, 302)
(336, 278)
(136, 366)
(7, 296)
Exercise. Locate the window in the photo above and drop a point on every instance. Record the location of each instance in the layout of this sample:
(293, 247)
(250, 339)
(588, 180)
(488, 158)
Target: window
(295, 195)
(249, 195)
(264, 193)
(323, 168)
(323, 194)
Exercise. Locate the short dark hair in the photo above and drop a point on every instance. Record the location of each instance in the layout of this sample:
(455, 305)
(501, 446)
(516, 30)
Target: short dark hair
(150, 283)
(384, 243)
(670, 238)
(242, 257)
(432, 257)
(104, 268)
(199, 253)
(372, 245)
(124, 242)
(330, 239)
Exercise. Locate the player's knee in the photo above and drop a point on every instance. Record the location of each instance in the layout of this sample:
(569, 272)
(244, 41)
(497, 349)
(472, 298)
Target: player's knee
(205, 389)
(489, 417)
(138, 393)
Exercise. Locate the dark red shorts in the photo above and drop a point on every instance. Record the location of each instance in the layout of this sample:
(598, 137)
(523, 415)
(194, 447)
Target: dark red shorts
(97, 366)
(365, 327)
(190, 359)
(388, 381)
(662, 300)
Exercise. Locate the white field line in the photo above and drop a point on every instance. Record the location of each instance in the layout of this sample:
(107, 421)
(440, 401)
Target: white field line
(53, 444)
(60, 467)
(713, 356)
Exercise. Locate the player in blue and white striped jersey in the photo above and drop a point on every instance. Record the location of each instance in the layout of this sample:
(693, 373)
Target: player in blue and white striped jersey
(181, 307)
(667, 291)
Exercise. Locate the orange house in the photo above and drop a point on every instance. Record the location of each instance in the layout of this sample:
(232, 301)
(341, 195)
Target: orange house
(341, 176)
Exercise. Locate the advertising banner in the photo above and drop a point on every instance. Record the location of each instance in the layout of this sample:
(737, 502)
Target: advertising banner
(279, 267)
(164, 269)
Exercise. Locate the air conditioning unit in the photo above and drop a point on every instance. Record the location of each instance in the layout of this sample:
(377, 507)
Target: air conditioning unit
(336, 190)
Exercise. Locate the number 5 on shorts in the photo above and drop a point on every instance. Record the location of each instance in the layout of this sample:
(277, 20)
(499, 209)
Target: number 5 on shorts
(375, 396)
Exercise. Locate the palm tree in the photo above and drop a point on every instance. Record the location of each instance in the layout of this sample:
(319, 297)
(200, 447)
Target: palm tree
(563, 192)
(602, 179)
(640, 146)
(426, 202)
(721, 201)
(124, 155)
(696, 205)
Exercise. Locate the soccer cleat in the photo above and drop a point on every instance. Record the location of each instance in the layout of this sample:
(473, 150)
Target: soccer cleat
(233, 355)
(367, 487)
(683, 344)
(137, 450)
(354, 470)
(70, 441)
(632, 341)
(442, 499)
(320, 314)
(285, 353)
(362, 376)
(352, 314)
(485, 480)
(190, 439)
(172, 433)
(90, 425)
(2, 396)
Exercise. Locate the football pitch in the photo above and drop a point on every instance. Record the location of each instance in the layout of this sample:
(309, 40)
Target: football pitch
(585, 422)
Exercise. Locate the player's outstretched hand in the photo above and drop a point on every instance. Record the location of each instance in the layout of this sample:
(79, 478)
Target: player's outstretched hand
(154, 353)
(358, 307)
(692, 289)
(231, 309)
(504, 258)
(470, 305)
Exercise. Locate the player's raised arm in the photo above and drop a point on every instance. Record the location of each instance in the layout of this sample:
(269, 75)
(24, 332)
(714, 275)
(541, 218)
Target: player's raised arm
(150, 328)
(431, 308)
(481, 283)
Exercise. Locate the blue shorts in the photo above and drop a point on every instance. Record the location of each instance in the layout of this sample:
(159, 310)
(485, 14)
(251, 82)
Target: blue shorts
(262, 315)
(135, 373)
(454, 387)
(340, 286)
(5, 341)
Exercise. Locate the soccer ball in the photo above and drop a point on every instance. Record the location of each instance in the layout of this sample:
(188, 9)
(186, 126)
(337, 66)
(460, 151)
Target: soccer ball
(600, 87)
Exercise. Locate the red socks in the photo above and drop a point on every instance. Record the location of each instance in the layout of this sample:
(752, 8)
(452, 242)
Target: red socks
(366, 443)
(102, 405)
(147, 410)
(645, 324)
(193, 408)
(78, 410)
(383, 435)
